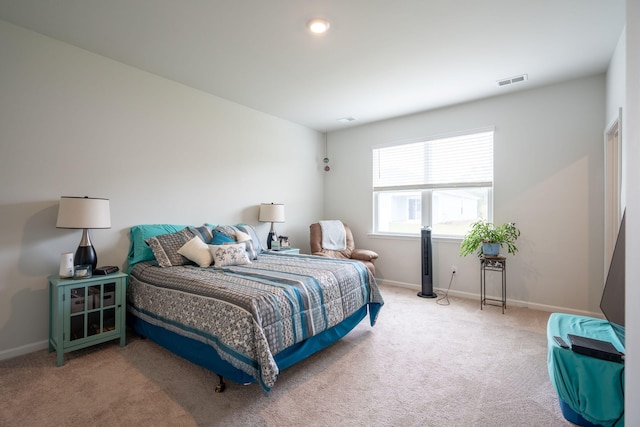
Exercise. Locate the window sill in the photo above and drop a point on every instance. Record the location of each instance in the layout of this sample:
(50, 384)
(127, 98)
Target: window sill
(435, 238)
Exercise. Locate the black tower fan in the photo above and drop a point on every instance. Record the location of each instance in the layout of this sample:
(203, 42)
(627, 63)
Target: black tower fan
(427, 264)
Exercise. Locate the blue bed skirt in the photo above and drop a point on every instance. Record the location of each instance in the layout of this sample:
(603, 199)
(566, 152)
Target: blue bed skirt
(204, 355)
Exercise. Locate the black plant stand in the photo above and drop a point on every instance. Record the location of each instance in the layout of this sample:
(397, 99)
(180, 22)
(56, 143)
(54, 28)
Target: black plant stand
(493, 263)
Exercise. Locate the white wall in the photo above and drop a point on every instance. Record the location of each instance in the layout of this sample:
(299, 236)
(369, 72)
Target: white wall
(631, 147)
(74, 123)
(548, 179)
(616, 83)
(616, 98)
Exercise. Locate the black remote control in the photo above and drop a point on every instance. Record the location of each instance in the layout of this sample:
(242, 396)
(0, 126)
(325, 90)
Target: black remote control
(108, 269)
(561, 342)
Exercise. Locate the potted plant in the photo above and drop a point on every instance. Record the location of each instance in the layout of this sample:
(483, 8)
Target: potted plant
(483, 233)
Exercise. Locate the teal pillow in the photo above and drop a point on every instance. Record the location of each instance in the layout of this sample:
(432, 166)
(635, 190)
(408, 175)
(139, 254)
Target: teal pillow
(139, 250)
(220, 238)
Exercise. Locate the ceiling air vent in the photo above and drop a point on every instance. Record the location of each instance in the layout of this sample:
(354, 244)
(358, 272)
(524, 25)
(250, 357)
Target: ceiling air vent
(510, 80)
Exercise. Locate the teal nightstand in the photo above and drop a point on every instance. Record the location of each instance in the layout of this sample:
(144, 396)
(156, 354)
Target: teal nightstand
(85, 312)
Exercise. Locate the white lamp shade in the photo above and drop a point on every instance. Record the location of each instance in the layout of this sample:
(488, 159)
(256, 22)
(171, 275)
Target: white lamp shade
(83, 212)
(271, 212)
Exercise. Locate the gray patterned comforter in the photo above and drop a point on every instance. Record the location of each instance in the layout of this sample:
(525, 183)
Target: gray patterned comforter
(250, 313)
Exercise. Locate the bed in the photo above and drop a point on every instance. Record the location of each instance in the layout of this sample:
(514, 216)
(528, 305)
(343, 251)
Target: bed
(236, 309)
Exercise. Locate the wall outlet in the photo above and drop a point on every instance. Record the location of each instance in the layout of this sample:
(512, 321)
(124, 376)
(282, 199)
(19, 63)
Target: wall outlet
(454, 269)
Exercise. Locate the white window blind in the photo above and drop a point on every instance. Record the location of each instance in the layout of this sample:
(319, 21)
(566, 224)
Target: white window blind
(460, 161)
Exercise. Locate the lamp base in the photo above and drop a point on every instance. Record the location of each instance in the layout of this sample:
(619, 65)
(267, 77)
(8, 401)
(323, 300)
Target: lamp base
(270, 238)
(86, 255)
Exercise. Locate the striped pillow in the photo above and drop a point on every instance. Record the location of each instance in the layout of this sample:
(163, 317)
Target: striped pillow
(204, 232)
(165, 247)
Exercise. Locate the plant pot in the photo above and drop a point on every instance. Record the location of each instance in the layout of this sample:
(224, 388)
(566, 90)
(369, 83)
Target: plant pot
(491, 249)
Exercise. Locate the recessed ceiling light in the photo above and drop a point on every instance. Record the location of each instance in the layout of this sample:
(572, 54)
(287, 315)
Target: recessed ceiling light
(347, 119)
(318, 25)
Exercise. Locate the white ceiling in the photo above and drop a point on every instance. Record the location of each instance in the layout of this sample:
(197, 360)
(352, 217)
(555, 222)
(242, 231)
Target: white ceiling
(380, 59)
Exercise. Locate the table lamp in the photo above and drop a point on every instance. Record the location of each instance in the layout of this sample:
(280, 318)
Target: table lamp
(271, 212)
(84, 213)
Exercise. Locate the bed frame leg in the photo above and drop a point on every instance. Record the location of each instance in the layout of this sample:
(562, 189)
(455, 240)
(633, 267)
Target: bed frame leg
(221, 385)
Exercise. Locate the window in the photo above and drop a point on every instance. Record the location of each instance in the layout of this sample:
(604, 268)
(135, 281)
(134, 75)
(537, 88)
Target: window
(443, 183)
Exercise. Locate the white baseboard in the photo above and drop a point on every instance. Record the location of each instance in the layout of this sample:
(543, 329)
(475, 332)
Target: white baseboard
(515, 303)
(41, 345)
(25, 349)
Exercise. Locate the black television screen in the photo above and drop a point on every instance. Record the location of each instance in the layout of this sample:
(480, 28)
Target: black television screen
(612, 302)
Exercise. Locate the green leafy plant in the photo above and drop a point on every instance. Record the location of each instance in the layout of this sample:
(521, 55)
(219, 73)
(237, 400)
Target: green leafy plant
(485, 232)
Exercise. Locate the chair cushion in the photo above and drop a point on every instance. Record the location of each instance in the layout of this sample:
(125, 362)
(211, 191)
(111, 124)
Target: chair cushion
(363, 255)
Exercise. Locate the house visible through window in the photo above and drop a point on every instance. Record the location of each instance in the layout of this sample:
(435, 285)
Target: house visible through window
(443, 183)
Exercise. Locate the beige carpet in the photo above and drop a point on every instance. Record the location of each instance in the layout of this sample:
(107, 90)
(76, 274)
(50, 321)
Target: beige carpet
(423, 364)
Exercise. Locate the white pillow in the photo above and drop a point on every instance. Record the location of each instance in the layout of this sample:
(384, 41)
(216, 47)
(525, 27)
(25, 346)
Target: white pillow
(197, 251)
(242, 237)
(232, 254)
(251, 253)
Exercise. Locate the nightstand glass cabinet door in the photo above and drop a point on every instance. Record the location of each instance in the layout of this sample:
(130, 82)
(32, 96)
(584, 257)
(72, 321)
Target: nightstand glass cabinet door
(92, 311)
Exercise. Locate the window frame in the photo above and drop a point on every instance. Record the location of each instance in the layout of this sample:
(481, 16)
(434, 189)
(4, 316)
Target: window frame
(426, 192)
